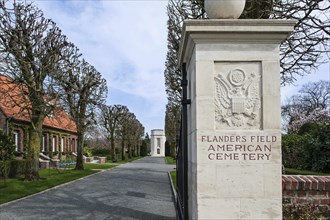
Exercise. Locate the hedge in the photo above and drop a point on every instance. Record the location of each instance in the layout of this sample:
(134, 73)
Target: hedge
(12, 168)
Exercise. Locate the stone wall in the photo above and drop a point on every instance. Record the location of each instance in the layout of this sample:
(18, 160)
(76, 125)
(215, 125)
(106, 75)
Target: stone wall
(303, 190)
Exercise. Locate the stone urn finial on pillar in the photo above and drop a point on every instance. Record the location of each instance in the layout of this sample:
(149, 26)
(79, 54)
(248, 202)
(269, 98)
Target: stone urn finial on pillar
(224, 9)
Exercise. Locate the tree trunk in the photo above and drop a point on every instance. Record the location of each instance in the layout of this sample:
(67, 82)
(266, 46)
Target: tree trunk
(173, 150)
(122, 150)
(80, 145)
(138, 150)
(113, 149)
(129, 151)
(133, 151)
(35, 137)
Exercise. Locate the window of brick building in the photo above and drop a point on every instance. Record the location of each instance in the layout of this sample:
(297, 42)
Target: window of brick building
(16, 140)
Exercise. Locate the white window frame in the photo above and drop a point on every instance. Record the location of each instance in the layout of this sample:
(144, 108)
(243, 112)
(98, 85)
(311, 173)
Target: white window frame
(54, 143)
(43, 143)
(16, 137)
(62, 144)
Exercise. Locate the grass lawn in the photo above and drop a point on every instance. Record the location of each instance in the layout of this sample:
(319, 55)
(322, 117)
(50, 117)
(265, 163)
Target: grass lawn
(173, 176)
(170, 160)
(12, 189)
(128, 160)
(96, 166)
(291, 171)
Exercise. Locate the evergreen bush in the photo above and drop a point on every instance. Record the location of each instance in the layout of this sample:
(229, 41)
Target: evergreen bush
(7, 147)
(101, 151)
(307, 211)
(4, 169)
(87, 152)
(7, 150)
(17, 168)
(308, 149)
(144, 149)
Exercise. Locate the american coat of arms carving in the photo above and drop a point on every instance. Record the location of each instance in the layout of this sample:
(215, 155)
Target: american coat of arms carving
(237, 99)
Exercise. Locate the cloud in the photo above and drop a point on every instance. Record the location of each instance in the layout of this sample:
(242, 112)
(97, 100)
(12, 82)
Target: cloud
(126, 42)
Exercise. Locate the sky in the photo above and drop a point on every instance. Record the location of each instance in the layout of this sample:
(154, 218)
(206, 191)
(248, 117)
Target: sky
(126, 41)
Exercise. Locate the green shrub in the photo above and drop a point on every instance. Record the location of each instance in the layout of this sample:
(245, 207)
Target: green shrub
(87, 152)
(68, 158)
(12, 168)
(118, 156)
(308, 127)
(101, 151)
(7, 147)
(167, 149)
(170, 160)
(7, 150)
(309, 149)
(320, 148)
(294, 150)
(17, 168)
(4, 169)
(144, 150)
(302, 212)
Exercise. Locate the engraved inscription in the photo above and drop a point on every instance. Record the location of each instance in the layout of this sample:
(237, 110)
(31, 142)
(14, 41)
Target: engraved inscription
(239, 147)
(237, 99)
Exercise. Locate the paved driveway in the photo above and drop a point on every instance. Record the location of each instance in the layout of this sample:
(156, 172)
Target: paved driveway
(137, 190)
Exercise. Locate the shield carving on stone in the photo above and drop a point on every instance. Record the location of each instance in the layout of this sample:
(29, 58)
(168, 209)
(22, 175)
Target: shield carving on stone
(237, 99)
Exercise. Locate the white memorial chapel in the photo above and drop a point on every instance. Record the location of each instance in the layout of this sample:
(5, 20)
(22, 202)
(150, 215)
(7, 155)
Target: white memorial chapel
(158, 143)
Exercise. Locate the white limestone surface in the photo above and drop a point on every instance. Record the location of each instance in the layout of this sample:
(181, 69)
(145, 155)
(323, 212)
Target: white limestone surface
(157, 143)
(234, 154)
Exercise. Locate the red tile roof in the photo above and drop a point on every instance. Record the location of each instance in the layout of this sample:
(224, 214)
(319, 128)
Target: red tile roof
(13, 105)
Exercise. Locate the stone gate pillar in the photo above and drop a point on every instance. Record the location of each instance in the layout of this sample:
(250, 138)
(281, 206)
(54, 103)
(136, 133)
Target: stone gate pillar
(234, 124)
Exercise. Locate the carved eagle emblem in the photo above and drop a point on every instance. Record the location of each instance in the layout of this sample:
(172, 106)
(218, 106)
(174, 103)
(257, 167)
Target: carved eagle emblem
(237, 98)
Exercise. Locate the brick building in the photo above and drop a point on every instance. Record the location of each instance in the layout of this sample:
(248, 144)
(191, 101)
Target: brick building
(59, 131)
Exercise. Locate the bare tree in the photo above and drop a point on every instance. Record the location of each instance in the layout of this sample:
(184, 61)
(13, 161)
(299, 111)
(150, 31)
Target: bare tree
(130, 131)
(136, 132)
(301, 53)
(82, 90)
(111, 119)
(125, 132)
(31, 48)
(308, 46)
(97, 137)
(315, 95)
(312, 97)
(177, 12)
(172, 126)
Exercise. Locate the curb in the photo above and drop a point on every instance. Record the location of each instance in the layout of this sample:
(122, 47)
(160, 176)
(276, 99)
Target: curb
(174, 195)
(172, 187)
